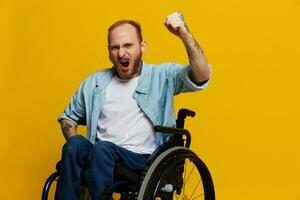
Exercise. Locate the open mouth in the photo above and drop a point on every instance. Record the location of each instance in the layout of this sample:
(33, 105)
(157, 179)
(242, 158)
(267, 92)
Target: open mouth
(124, 63)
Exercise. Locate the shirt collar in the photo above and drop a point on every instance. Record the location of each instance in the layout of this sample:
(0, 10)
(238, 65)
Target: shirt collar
(144, 82)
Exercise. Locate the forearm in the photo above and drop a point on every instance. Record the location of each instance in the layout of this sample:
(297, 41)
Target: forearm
(68, 128)
(200, 68)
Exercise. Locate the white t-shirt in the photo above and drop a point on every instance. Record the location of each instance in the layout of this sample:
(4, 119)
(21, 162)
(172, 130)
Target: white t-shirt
(122, 121)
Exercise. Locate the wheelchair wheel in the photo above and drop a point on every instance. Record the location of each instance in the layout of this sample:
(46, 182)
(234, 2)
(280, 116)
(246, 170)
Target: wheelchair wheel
(177, 173)
(50, 186)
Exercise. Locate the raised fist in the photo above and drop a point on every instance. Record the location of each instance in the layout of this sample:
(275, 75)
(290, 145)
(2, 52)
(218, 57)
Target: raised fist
(176, 25)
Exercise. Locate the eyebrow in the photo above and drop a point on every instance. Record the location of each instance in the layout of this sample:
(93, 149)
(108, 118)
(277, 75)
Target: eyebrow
(116, 45)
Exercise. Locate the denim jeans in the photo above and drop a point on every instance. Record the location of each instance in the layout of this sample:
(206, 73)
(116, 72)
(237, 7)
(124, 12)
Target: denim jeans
(91, 165)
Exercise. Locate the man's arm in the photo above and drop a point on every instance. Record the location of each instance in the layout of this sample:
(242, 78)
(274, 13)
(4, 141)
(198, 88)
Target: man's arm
(68, 128)
(200, 69)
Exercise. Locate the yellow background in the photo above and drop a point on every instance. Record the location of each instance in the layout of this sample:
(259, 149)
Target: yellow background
(247, 124)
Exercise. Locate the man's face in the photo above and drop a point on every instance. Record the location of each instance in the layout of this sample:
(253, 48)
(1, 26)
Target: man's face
(125, 50)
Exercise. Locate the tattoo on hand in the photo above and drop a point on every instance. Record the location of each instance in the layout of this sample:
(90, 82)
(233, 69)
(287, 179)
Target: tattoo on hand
(66, 130)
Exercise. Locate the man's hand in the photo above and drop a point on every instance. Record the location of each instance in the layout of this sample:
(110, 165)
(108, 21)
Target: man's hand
(176, 25)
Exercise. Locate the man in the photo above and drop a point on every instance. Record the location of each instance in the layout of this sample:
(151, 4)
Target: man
(121, 106)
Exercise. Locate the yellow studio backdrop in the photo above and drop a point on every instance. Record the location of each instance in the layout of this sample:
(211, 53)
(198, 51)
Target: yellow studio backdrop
(247, 124)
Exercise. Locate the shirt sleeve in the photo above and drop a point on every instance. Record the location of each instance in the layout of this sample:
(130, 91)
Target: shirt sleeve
(187, 80)
(182, 81)
(75, 110)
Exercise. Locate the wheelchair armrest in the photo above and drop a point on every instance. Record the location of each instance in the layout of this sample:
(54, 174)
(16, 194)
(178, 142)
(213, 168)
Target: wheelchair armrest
(175, 131)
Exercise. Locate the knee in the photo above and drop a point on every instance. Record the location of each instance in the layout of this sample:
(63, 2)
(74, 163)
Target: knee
(74, 143)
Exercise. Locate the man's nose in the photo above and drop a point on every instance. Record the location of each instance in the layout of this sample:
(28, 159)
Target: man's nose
(121, 52)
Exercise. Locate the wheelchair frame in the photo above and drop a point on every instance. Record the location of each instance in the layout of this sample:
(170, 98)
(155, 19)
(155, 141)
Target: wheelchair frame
(157, 174)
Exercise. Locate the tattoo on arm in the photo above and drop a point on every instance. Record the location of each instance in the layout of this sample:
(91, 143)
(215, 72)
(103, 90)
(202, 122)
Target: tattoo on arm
(200, 69)
(194, 47)
(68, 128)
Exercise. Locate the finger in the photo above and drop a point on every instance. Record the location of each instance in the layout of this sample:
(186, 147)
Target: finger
(167, 23)
(172, 14)
(176, 23)
(175, 15)
(175, 19)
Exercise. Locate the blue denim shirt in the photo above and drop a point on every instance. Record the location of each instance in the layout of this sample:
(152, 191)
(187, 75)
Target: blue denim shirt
(154, 94)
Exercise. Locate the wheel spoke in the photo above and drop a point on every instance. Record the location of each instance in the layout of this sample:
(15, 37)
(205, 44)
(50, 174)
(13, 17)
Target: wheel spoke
(194, 190)
(184, 170)
(186, 179)
(198, 196)
(184, 183)
(176, 195)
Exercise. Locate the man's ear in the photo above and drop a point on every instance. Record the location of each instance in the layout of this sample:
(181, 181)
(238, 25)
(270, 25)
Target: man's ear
(143, 46)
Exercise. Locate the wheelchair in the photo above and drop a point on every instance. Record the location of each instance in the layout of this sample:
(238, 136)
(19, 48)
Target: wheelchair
(172, 172)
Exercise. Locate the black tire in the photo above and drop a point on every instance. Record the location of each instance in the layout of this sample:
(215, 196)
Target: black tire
(172, 167)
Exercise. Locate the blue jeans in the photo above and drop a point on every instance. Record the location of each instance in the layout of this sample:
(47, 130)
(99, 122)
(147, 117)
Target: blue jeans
(91, 165)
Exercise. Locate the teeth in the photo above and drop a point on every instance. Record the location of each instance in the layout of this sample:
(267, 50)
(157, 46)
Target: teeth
(124, 63)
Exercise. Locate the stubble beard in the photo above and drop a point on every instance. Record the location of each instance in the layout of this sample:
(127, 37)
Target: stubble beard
(134, 71)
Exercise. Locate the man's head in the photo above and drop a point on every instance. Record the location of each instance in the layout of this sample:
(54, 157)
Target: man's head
(126, 46)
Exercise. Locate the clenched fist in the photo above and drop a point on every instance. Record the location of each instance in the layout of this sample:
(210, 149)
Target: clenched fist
(176, 25)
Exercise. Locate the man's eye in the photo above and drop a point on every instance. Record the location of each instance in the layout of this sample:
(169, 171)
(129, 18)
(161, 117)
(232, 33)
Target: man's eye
(113, 48)
(128, 45)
